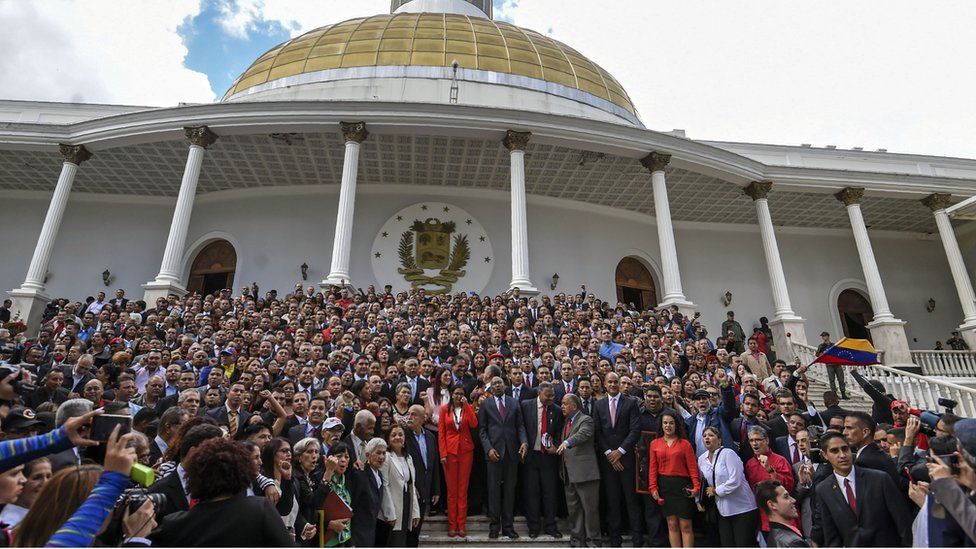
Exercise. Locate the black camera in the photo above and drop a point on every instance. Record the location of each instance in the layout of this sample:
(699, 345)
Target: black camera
(12, 366)
(948, 404)
(816, 454)
(133, 498)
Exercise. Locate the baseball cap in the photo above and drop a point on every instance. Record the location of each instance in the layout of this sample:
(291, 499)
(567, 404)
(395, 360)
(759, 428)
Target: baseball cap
(897, 403)
(700, 393)
(21, 418)
(331, 423)
(229, 351)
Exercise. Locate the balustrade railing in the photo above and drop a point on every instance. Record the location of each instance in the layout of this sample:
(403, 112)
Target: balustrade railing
(946, 363)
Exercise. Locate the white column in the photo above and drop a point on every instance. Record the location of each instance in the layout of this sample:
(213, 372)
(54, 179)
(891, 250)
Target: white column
(170, 277)
(964, 286)
(673, 294)
(787, 327)
(516, 142)
(354, 134)
(30, 299)
(887, 331)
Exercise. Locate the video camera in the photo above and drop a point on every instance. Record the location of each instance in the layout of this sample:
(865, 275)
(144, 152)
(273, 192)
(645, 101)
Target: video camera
(131, 499)
(816, 454)
(931, 419)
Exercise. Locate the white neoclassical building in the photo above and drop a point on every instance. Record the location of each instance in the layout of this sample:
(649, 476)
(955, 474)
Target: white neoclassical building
(435, 147)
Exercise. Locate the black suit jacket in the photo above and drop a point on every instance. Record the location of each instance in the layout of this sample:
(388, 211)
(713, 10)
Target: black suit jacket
(40, 396)
(560, 389)
(241, 521)
(884, 518)
(220, 414)
(525, 392)
(624, 432)
(777, 427)
(422, 385)
(554, 427)
(745, 449)
(296, 433)
(367, 498)
(172, 488)
(504, 435)
(69, 382)
(154, 451)
(428, 480)
(873, 457)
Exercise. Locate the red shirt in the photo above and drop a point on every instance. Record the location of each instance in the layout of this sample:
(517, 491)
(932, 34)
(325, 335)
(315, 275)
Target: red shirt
(677, 460)
(756, 473)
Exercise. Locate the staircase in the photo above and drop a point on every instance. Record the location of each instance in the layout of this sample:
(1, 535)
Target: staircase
(434, 534)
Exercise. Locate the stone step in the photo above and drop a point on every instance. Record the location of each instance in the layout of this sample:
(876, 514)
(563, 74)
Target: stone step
(479, 525)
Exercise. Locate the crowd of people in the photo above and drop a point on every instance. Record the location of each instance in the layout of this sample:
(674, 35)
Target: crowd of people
(348, 418)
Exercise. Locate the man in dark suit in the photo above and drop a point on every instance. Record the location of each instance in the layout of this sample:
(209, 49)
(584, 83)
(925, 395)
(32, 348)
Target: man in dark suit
(580, 473)
(314, 427)
(585, 391)
(120, 301)
(502, 434)
(786, 405)
(75, 377)
(540, 473)
(411, 376)
(50, 391)
(787, 445)
(856, 506)
(366, 492)
(831, 406)
(617, 420)
(422, 447)
(566, 383)
(740, 426)
(232, 414)
(174, 485)
(859, 430)
(519, 390)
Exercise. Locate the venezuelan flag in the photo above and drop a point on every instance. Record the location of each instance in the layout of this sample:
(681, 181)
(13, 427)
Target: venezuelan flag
(851, 352)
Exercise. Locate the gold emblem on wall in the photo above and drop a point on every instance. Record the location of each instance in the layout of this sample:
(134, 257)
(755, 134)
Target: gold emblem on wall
(429, 245)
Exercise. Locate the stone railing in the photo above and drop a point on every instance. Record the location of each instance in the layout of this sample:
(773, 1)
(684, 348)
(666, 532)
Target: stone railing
(946, 363)
(919, 391)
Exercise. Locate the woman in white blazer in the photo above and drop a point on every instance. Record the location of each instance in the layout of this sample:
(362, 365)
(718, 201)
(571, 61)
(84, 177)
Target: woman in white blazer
(400, 508)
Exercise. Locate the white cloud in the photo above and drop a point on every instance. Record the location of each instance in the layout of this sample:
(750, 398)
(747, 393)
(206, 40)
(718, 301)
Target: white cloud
(240, 17)
(98, 51)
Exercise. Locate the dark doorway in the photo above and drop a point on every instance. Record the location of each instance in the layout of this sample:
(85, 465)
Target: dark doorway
(213, 269)
(855, 314)
(635, 285)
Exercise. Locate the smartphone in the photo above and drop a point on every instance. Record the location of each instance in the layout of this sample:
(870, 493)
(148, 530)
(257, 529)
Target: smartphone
(952, 460)
(103, 425)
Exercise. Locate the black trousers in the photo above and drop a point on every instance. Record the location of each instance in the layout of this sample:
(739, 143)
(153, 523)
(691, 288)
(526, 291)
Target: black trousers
(502, 476)
(739, 530)
(540, 488)
(622, 500)
(655, 526)
(413, 536)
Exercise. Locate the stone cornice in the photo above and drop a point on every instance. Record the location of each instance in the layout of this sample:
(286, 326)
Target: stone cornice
(758, 190)
(516, 141)
(74, 154)
(656, 161)
(937, 201)
(201, 136)
(850, 195)
(353, 131)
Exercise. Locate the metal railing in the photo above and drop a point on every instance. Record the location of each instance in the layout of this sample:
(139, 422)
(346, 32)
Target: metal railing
(919, 391)
(946, 363)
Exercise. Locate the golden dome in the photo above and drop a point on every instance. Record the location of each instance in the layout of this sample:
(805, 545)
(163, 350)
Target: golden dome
(434, 40)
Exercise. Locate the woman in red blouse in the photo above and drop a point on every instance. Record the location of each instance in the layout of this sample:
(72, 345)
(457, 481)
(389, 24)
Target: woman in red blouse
(456, 420)
(674, 478)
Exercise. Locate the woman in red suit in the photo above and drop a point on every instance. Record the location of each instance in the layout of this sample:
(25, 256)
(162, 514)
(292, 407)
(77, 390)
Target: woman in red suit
(456, 421)
(674, 479)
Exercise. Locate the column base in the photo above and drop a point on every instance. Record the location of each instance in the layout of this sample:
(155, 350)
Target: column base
(890, 337)
(787, 331)
(525, 288)
(337, 279)
(28, 306)
(156, 289)
(685, 307)
(968, 334)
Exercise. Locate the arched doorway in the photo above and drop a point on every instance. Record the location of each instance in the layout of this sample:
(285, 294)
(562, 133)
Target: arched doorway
(855, 314)
(634, 284)
(213, 268)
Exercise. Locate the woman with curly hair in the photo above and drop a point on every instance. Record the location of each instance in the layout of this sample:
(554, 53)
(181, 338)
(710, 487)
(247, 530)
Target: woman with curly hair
(673, 479)
(217, 477)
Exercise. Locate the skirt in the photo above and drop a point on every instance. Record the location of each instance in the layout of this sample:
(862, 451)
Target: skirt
(674, 492)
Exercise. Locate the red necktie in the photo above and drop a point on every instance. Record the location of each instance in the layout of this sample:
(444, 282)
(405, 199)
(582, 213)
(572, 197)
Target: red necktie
(796, 453)
(545, 421)
(850, 495)
(501, 407)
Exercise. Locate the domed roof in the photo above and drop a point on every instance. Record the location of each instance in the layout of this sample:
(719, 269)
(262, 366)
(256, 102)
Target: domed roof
(437, 40)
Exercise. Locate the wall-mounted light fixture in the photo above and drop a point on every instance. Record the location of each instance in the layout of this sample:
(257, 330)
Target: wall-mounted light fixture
(555, 281)
(930, 306)
(106, 277)
(304, 268)
(727, 298)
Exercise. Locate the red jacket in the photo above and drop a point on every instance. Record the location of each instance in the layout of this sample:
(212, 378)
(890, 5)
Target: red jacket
(456, 439)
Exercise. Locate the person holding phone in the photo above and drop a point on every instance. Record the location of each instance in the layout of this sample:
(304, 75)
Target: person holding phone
(674, 479)
(457, 419)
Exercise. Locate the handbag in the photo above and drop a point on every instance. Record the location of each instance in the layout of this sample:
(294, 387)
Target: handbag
(711, 506)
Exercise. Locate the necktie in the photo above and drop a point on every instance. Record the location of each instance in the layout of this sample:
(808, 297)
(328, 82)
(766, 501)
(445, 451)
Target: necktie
(545, 421)
(413, 388)
(518, 391)
(796, 453)
(744, 439)
(851, 500)
(613, 411)
(316, 432)
(232, 422)
(569, 427)
(501, 407)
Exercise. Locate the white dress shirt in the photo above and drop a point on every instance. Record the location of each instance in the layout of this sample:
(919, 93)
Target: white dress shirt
(732, 493)
(843, 487)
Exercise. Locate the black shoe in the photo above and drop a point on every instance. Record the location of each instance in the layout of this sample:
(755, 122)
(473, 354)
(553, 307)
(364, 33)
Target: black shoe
(492, 535)
(511, 534)
(555, 534)
(533, 535)
(845, 397)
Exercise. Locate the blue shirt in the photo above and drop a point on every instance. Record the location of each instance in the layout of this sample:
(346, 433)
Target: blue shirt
(609, 350)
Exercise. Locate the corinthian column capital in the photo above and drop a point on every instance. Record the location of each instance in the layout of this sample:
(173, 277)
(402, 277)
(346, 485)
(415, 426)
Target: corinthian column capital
(850, 195)
(758, 189)
(75, 154)
(200, 136)
(656, 161)
(353, 131)
(937, 201)
(516, 141)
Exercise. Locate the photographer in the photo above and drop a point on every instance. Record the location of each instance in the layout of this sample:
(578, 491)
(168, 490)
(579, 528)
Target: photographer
(951, 487)
(75, 503)
(19, 451)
